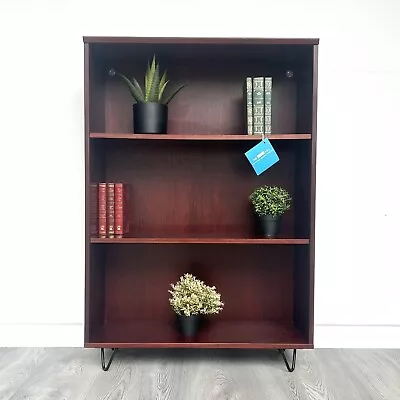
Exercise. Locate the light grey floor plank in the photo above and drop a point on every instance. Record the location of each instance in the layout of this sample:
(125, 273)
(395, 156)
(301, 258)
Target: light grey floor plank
(184, 374)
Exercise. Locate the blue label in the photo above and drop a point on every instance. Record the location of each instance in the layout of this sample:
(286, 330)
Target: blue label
(262, 156)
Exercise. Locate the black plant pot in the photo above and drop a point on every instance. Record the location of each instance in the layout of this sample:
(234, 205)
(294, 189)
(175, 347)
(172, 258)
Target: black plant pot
(189, 326)
(270, 225)
(150, 118)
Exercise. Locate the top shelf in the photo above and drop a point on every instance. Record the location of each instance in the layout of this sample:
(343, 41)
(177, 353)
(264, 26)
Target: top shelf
(290, 136)
(200, 40)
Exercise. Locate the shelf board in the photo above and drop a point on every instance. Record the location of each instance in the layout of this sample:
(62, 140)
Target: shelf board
(200, 40)
(219, 334)
(136, 136)
(199, 240)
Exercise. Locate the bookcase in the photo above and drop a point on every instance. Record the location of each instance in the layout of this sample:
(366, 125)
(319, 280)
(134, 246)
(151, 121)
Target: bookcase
(189, 208)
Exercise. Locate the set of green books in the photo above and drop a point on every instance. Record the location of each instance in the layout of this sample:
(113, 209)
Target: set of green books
(258, 97)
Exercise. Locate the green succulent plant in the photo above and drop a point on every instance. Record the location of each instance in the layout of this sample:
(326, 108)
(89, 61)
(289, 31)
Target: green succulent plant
(191, 296)
(154, 85)
(270, 200)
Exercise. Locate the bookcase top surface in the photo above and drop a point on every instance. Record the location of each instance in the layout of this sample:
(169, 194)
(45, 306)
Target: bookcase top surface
(199, 40)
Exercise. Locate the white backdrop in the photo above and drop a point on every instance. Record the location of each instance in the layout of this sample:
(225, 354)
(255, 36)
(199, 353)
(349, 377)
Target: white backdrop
(358, 165)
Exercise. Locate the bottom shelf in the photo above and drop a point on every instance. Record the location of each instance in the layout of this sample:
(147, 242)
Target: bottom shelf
(219, 334)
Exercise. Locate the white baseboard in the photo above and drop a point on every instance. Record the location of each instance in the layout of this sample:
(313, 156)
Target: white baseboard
(41, 335)
(359, 336)
(326, 336)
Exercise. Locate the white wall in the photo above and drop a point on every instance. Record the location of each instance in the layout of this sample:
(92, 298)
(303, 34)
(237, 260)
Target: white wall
(42, 195)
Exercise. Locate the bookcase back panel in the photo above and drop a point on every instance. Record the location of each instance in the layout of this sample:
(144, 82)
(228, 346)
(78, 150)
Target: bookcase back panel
(212, 101)
(185, 188)
(256, 282)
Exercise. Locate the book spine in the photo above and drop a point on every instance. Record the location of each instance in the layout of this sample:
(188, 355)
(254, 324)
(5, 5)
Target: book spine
(121, 210)
(93, 210)
(268, 105)
(249, 105)
(110, 210)
(258, 106)
(102, 207)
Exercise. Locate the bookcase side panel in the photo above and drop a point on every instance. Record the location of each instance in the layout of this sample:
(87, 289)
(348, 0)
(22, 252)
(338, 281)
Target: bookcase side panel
(313, 192)
(305, 208)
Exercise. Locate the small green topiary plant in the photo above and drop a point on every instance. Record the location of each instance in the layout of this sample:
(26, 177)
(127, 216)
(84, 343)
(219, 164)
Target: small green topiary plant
(191, 296)
(154, 85)
(270, 200)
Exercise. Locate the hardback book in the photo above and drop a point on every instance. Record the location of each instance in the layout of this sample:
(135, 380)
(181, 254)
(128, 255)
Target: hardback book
(102, 210)
(248, 104)
(110, 210)
(121, 209)
(268, 105)
(258, 105)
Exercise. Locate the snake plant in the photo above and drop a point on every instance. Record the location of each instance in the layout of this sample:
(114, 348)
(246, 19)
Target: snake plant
(154, 85)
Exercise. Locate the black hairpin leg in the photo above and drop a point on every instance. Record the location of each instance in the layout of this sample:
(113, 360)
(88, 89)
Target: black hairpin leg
(290, 368)
(103, 363)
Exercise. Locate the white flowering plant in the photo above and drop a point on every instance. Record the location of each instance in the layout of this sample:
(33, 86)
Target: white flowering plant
(191, 296)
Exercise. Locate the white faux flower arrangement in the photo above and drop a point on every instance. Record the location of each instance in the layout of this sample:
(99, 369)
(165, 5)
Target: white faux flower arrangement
(191, 296)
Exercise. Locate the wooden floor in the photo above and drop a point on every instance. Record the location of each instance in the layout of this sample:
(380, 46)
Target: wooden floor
(72, 374)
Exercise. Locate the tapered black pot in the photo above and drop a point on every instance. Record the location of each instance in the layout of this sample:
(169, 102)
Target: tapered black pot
(150, 118)
(188, 326)
(270, 225)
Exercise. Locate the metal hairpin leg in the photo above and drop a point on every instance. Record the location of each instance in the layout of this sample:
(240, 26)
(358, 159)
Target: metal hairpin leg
(290, 368)
(103, 363)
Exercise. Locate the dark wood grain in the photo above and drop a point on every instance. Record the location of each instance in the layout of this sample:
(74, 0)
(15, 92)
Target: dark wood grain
(189, 206)
(305, 203)
(130, 136)
(256, 282)
(301, 295)
(258, 304)
(199, 240)
(212, 101)
(195, 189)
(96, 83)
(94, 169)
(198, 40)
(96, 289)
(313, 195)
(219, 334)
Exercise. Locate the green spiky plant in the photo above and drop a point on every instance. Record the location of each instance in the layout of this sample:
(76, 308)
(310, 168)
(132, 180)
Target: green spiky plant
(270, 200)
(154, 85)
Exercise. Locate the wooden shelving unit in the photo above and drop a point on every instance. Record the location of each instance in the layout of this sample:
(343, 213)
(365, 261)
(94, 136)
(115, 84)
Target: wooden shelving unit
(189, 194)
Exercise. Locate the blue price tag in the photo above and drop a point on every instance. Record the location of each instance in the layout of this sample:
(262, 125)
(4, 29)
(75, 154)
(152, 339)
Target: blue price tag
(262, 156)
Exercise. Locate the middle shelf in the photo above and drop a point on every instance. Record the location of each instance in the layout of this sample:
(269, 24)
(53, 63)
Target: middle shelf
(200, 240)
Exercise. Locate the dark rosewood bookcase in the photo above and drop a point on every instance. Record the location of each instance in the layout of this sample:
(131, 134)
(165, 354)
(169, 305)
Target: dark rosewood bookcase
(189, 208)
